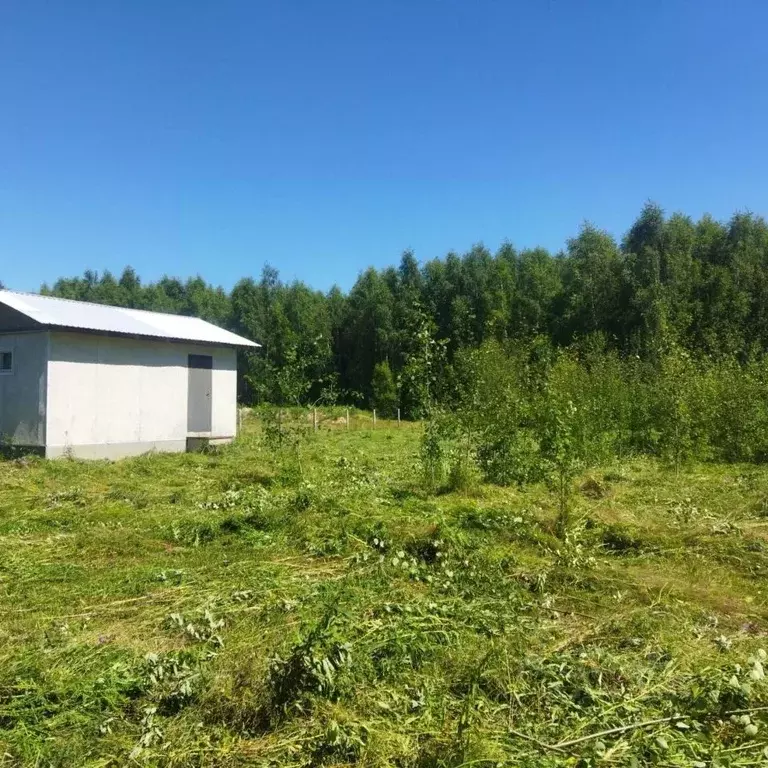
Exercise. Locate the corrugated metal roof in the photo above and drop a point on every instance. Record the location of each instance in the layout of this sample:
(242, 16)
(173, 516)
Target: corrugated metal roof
(80, 315)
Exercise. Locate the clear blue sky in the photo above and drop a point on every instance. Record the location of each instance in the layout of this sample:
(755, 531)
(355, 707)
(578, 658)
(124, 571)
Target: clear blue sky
(325, 136)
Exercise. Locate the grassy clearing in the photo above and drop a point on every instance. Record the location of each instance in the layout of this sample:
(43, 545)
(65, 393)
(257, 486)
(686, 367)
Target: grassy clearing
(226, 609)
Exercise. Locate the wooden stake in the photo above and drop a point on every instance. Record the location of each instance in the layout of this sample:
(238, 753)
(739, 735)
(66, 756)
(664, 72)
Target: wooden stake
(347, 419)
(374, 418)
(314, 419)
(398, 417)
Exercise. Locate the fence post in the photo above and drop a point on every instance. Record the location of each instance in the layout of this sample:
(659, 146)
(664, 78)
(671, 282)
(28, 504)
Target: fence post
(398, 417)
(374, 418)
(314, 419)
(347, 419)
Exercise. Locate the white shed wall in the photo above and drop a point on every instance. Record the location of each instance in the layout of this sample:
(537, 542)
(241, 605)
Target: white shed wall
(110, 397)
(22, 392)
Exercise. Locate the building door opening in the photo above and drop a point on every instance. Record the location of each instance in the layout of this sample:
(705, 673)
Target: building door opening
(200, 400)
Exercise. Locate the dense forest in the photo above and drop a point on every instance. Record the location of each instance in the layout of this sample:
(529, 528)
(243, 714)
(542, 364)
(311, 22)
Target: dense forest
(699, 286)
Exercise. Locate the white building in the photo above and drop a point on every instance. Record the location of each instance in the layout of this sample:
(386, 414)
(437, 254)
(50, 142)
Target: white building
(104, 382)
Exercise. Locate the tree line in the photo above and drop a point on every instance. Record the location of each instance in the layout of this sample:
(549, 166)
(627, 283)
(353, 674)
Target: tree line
(671, 282)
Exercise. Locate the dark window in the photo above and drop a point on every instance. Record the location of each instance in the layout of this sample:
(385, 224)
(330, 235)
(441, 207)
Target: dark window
(200, 361)
(6, 362)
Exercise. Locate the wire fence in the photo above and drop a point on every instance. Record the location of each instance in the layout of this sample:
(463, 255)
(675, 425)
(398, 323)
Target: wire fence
(335, 418)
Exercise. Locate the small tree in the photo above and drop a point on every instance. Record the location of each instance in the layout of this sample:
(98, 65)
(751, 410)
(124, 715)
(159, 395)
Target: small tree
(567, 444)
(424, 362)
(679, 410)
(294, 382)
(560, 453)
(384, 390)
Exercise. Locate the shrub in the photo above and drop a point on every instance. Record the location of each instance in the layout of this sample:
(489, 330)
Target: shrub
(534, 413)
(384, 390)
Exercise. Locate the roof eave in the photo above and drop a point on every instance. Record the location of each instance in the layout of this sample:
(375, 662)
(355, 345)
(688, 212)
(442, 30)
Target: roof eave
(244, 344)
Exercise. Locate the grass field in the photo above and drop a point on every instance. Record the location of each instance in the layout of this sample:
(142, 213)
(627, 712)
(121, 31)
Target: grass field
(235, 608)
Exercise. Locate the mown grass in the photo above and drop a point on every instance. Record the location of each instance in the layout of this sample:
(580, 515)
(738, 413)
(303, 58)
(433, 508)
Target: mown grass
(229, 609)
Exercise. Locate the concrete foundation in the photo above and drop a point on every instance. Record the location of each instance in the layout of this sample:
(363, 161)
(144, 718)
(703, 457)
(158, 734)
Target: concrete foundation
(195, 444)
(114, 451)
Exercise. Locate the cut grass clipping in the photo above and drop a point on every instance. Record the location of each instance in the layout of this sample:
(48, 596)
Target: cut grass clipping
(316, 606)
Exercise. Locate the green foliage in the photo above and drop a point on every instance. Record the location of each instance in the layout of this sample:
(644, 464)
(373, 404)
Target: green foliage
(671, 286)
(463, 474)
(298, 599)
(314, 665)
(285, 433)
(562, 453)
(220, 609)
(384, 390)
(423, 364)
(525, 413)
(434, 453)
